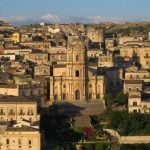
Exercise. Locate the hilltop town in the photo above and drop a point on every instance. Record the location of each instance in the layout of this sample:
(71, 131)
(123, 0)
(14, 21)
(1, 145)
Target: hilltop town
(62, 77)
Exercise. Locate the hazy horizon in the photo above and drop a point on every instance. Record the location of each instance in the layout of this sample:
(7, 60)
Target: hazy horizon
(73, 11)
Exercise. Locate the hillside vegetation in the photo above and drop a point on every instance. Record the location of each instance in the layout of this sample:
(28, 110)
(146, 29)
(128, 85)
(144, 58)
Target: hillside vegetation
(131, 29)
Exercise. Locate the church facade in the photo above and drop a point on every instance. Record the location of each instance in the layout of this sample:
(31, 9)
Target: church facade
(78, 81)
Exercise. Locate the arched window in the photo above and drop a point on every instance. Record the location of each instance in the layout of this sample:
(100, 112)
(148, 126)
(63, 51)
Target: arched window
(77, 74)
(29, 142)
(64, 86)
(90, 95)
(98, 96)
(64, 96)
(56, 97)
(90, 85)
(77, 95)
(77, 57)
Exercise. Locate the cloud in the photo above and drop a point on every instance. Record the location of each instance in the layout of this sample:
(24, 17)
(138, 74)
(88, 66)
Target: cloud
(98, 19)
(61, 19)
(50, 18)
(19, 19)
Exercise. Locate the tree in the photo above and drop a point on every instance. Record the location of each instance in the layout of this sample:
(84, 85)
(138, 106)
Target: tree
(121, 98)
(109, 100)
(129, 124)
(56, 126)
(95, 122)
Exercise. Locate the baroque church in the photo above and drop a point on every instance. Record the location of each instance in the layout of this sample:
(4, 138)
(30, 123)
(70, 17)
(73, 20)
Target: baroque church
(78, 80)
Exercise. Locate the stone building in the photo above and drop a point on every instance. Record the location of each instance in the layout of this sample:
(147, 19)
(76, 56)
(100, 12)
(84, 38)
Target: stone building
(15, 37)
(19, 124)
(76, 82)
(133, 86)
(37, 57)
(19, 138)
(105, 60)
(141, 55)
(95, 34)
(137, 74)
(7, 89)
(44, 45)
(17, 108)
(42, 70)
(58, 54)
(138, 103)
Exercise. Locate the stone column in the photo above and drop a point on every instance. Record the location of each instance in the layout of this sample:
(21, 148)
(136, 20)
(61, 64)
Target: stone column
(51, 89)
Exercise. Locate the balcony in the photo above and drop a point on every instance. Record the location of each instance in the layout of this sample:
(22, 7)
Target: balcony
(30, 113)
(11, 113)
(134, 106)
(146, 57)
(21, 113)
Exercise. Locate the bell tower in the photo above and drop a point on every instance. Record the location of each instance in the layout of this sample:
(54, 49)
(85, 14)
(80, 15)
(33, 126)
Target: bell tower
(76, 67)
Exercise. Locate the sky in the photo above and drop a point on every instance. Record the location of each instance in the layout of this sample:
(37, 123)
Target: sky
(29, 11)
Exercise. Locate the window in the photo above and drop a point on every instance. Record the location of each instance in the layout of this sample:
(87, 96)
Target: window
(90, 95)
(77, 73)
(90, 85)
(77, 58)
(45, 71)
(7, 141)
(134, 103)
(64, 97)
(55, 97)
(11, 112)
(129, 89)
(31, 93)
(77, 95)
(135, 110)
(146, 55)
(21, 111)
(60, 43)
(23, 93)
(30, 111)
(30, 119)
(64, 86)
(98, 96)
(1, 111)
(29, 142)
(39, 92)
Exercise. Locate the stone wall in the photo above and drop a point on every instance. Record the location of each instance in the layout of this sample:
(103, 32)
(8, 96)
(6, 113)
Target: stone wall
(129, 139)
(134, 139)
